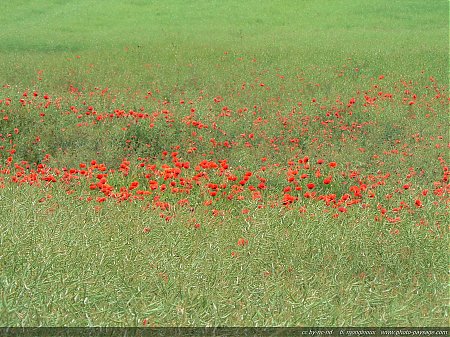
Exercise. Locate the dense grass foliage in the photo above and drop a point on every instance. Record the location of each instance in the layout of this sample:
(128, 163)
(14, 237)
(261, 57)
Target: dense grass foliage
(219, 163)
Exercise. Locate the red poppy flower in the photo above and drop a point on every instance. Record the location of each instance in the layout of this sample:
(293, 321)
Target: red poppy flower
(242, 242)
(326, 181)
(133, 185)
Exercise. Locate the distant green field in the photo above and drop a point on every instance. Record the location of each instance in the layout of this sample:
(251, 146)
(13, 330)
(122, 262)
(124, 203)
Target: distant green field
(224, 163)
(397, 37)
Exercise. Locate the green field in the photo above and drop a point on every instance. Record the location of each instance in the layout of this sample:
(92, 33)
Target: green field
(224, 163)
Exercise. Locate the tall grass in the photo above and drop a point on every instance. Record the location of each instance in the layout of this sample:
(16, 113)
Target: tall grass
(69, 257)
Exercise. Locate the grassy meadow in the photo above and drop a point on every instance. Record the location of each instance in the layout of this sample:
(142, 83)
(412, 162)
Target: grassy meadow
(224, 163)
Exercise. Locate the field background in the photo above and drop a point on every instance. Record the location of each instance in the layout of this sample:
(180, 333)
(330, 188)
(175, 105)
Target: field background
(65, 261)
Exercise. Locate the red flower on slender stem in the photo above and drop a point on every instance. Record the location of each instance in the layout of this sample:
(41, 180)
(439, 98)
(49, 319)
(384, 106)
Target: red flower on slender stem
(133, 185)
(242, 242)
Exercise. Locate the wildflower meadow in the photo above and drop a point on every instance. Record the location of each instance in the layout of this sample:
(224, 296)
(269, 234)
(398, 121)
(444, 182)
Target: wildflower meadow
(224, 163)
